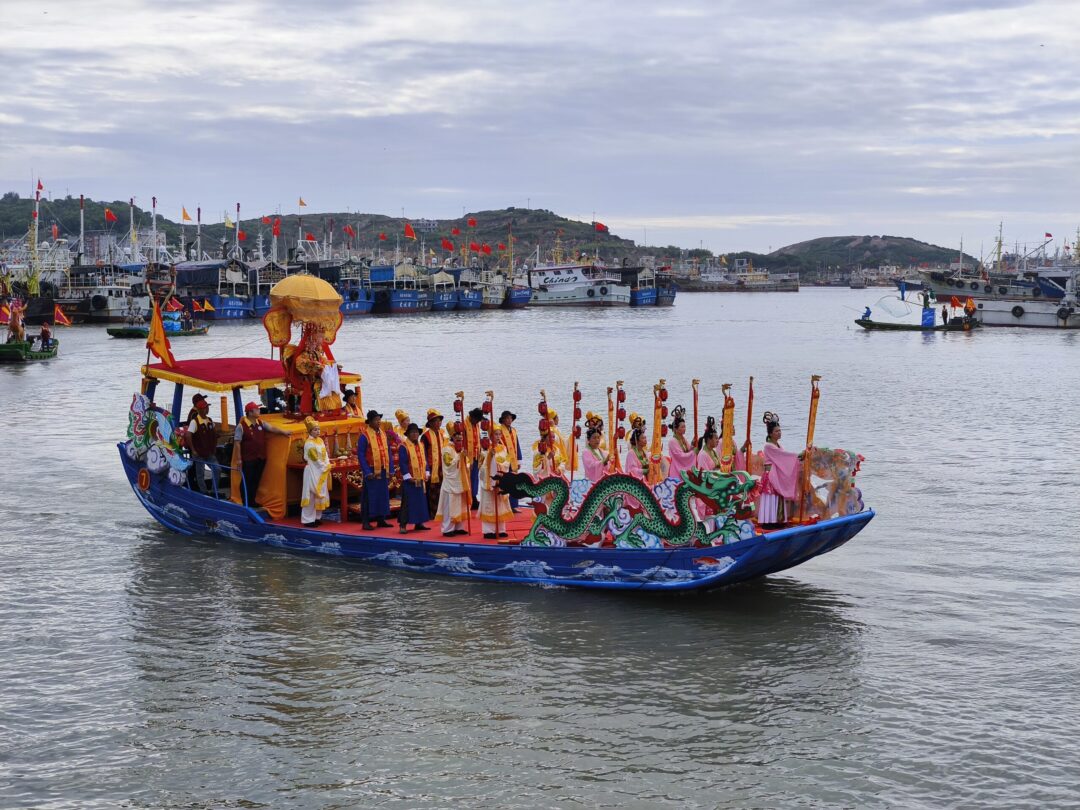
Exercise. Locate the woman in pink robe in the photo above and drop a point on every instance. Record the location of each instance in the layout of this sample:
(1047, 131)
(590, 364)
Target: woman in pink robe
(637, 457)
(596, 461)
(681, 452)
(708, 460)
(780, 483)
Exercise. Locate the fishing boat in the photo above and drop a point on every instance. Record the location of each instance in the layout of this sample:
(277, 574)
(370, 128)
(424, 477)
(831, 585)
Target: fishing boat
(954, 325)
(22, 351)
(444, 292)
(141, 332)
(223, 284)
(620, 533)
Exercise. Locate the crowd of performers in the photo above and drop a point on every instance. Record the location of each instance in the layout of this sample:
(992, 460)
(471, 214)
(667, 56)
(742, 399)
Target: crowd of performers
(447, 472)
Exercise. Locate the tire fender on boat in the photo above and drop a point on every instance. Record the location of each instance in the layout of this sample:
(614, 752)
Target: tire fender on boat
(1064, 313)
(99, 302)
(590, 292)
(1018, 311)
(603, 291)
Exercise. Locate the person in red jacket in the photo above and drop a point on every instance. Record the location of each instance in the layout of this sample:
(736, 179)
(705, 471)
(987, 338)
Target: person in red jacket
(250, 439)
(202, 441)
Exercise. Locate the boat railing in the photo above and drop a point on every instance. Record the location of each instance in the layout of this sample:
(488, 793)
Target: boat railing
(215, 478)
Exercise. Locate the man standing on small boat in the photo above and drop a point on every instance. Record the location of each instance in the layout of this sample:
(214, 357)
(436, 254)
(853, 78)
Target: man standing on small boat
(377, 466)
(433, 441)
(511, 445)
(202, 441)
(249, 448)
(413, 466)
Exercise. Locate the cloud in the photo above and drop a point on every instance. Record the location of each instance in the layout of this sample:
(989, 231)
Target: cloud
(718, 119)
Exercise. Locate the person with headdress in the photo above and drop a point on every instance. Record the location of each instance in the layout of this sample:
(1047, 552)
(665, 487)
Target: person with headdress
(779, 485)
(16, 330)
(412, 463)
(403, 422)
(494, 505)
(377, 465)
(682, 454)
(512, 446)
(558, 440)
(548, 459)
(596, 461)
(593, 421)
(315, 492)
(249, 448)
(637, 457)
(636, 422)
(202, 442)
(708, 457)
(472, 452)
(432, 438)
(454, 494)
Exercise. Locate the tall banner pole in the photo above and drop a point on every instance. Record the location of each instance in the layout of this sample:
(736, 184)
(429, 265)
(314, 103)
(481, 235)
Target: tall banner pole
(575, 430)
(748, 447)
(804, 484)
(694, 384)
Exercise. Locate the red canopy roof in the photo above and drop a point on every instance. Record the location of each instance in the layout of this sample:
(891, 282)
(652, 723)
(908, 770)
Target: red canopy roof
(225, 373)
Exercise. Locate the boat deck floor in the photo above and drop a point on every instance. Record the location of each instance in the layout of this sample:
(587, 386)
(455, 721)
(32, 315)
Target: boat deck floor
(516, 527)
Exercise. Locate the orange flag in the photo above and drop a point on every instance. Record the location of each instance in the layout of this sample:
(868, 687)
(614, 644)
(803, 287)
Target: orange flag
(195, 305)
(409, 232)
(206, 306)
(59, 316)
(156, 341)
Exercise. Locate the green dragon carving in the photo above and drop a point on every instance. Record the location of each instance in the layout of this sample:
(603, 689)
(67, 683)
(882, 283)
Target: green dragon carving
(723, 491)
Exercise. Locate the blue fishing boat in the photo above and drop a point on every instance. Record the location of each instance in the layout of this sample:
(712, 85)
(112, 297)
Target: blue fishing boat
(444, 292)
(357, 297)
(642, 287)
(619, 533)
(666, 288)
(518, 296)
(222, 283)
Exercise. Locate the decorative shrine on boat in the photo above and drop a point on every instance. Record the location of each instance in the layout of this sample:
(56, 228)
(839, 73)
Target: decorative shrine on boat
(302, 466)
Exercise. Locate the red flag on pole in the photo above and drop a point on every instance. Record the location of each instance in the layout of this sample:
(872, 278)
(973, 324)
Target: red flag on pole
(409, 232)
(309, 237)
(475, 248)
(195, 305)
(241, 235)
(1049, 236)
(55, 231)
(455, 231)
(59, 316)
(472, 222)
(276, 228)
(486, 248)
(447, 245)
(502, 246)
(39, 186)
(266, 220)
(600, 227)
(109, 215)
(348, 229)
(382, 237)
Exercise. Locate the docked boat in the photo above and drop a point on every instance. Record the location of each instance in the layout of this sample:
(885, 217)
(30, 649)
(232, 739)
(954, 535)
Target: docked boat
(518, 295)
(620, 533)
(141, 332)
(224, 284)
(444, 292)
(578, 285)
(357, 297)
(493, 288)
(22, 351)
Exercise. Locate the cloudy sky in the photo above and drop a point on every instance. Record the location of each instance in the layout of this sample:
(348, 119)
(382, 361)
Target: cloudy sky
(731, 124)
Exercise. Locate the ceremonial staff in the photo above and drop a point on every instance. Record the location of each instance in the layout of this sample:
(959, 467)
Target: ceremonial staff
(804, 483)
(694, 384)
(488, 445)
(749, 417)
(461, 445)
(546, 446)
(656, 450)
(575, 432)
(727, 427)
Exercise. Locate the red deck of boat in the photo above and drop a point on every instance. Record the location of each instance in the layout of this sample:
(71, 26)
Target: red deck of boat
(516, 527)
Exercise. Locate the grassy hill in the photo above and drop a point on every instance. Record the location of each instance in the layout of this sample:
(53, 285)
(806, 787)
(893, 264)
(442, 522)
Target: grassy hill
(530, 227)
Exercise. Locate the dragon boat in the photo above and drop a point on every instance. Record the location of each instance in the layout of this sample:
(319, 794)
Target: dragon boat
(621, 532)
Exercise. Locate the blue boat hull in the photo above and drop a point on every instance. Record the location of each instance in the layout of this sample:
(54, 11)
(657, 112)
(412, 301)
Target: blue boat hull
(470, 299)
(644, 297)
(665, 296)
(670, 569)
(398, 301)
(357, 301)
(518, 297)
(225, 307)
(445, 301)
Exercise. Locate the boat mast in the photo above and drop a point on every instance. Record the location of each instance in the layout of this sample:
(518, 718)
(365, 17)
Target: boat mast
(236, 238)
(82, 230)
(997, 262)
(33, 270)
(198, 233)
(153, 228)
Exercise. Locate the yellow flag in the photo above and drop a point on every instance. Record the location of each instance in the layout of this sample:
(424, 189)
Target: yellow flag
(156, 341)
(184, 215)
(206, 306)
(228, 222)
(302, 202)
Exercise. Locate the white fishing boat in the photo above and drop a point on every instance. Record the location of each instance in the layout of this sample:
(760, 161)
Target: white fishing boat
(570, 285)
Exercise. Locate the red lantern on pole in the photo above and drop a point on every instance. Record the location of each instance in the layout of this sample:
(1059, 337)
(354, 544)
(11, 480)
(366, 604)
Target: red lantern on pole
(542, 408)
(621, 414)
(577, 414)
(577, 431)
(577, 396)
(545, 425)
(486, 408)
(621, 432)
(621, 396)
(459, 406)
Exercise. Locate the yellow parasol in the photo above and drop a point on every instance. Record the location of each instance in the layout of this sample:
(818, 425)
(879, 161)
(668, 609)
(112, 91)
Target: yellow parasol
(305, 299)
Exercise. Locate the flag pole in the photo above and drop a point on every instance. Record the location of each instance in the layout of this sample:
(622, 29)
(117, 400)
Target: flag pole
(749, 417)
(694, 384)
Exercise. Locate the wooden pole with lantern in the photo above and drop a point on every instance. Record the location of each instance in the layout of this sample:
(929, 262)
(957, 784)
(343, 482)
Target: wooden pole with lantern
(546, 445)
(459, 447)
(656, 449)
(575, 430)
(694, 384)
(618, 429)
(486, 444)
(748, 446)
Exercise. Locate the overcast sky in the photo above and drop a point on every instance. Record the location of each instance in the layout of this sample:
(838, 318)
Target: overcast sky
(736, 125)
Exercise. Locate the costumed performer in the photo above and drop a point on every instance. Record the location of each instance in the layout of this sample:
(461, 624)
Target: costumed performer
(413, 466)
(454, 495)
(595, 460)
(780, 482)
(494, 505)
(352, 406)
(377, 465)
(433, 440)
(682, 454)
(708, 460)
(473, 454)
(559, 439)
(637, 457)
(511, 444)
(315, 496)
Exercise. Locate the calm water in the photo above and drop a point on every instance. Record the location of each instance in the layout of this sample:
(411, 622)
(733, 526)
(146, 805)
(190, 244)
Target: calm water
(932, 662)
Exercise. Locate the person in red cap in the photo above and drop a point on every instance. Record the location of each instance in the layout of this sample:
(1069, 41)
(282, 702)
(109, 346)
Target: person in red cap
(202, 441)
(249, 448)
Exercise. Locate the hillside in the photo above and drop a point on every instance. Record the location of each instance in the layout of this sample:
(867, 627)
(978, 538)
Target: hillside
(530, 227)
